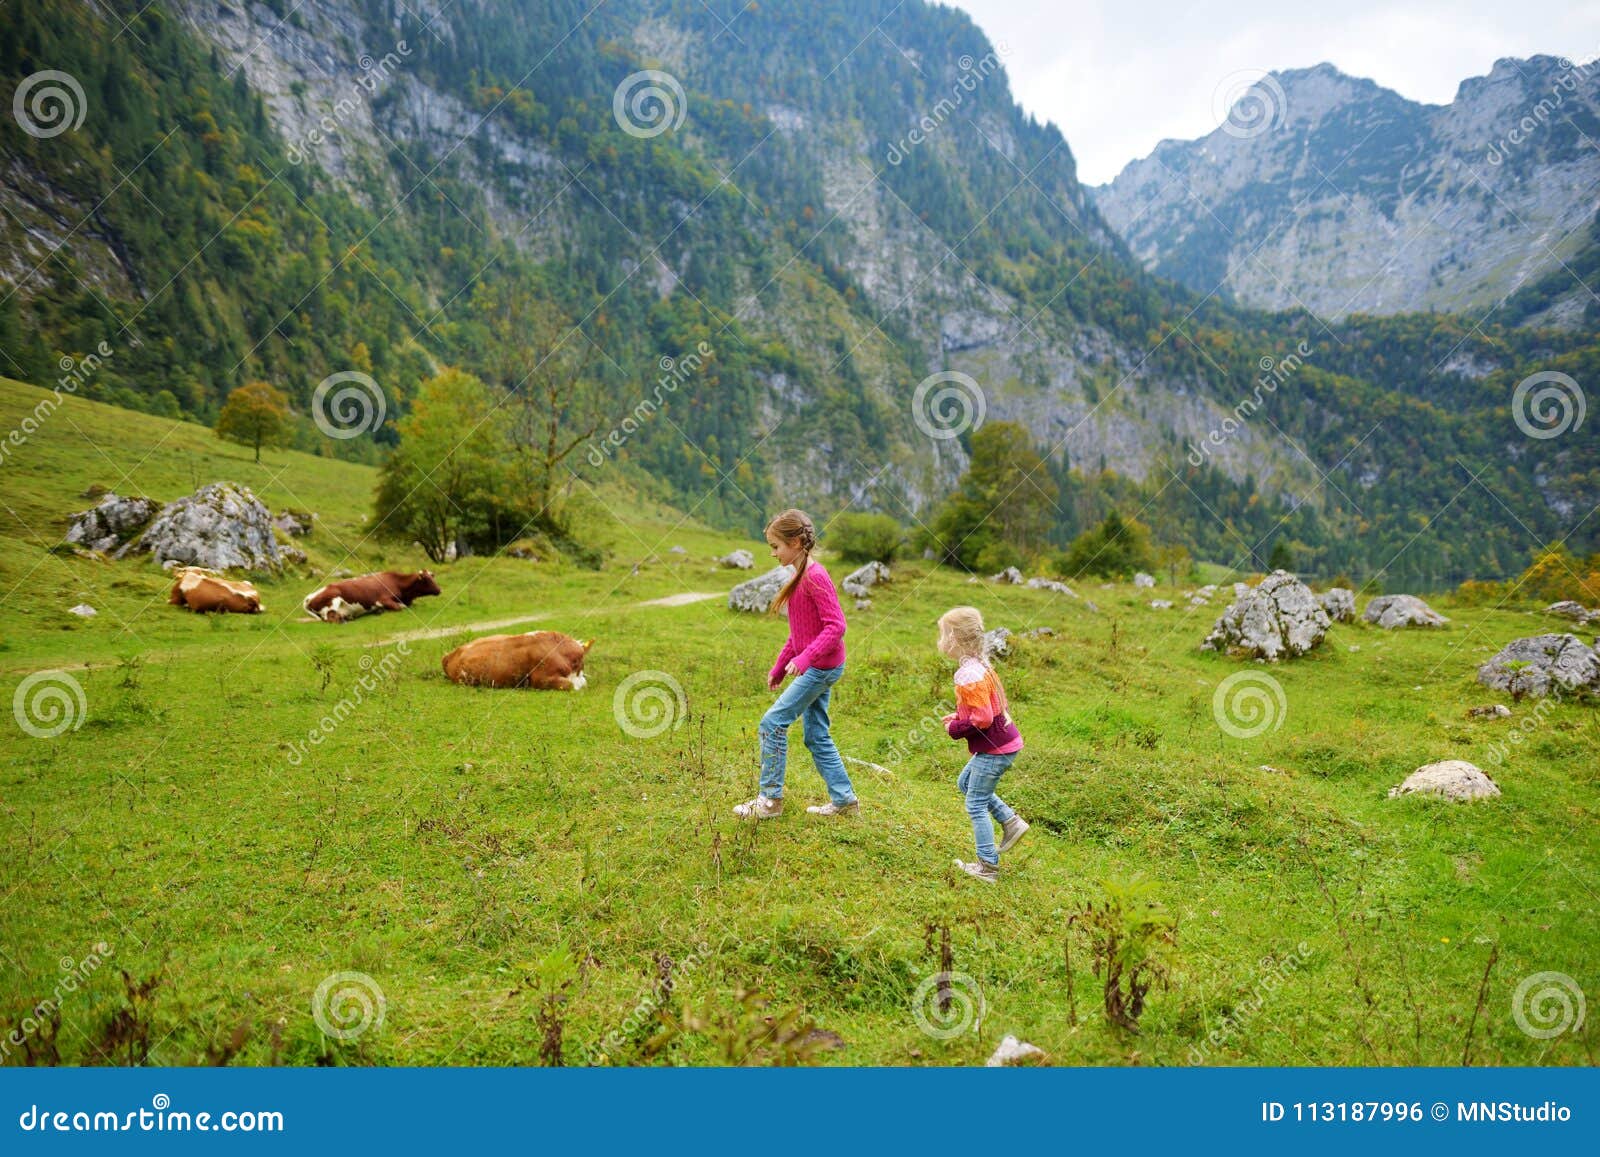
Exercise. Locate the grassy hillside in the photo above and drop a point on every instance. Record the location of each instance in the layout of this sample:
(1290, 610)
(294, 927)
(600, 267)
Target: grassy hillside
(471, 850)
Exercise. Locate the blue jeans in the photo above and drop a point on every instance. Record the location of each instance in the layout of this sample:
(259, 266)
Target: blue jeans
(977, 782)
(805, 699)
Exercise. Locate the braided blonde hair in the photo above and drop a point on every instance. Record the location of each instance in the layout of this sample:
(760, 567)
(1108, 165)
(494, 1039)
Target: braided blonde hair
(793, 527)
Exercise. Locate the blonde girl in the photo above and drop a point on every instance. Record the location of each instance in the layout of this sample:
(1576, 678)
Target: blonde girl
(982, 717)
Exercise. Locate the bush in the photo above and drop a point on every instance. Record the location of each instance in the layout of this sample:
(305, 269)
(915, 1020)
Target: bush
(1477, 593)
(1556, 574)
(996, 556)
(1114, 549)
(862, 537)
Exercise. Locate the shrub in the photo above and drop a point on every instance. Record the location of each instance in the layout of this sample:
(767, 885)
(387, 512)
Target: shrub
(863, 537)
(1132, 942)
(1114, 549)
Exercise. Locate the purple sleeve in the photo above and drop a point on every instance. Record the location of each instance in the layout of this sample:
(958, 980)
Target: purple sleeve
(819, 587)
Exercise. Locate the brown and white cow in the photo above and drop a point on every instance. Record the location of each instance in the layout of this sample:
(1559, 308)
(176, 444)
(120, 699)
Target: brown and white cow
(542, 660)
(202, 592)
(389, 590)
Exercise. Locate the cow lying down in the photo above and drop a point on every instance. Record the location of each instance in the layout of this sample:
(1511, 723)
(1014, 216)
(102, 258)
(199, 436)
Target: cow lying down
(542, 660)
(350, 598)
(202, 592)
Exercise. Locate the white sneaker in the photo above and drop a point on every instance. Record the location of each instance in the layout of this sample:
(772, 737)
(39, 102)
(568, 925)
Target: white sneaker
(988, 873)
(760, 808)
(835, 809)
(1011, 831)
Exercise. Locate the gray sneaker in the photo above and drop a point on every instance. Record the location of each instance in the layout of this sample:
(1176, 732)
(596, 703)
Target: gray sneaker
(1011, 831)
(760, 808)
(835, 809)
(988, 873)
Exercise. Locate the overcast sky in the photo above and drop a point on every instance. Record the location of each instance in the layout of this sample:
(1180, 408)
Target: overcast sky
(1120, 77)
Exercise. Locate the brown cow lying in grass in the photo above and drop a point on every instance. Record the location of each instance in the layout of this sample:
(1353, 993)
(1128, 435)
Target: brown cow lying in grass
(542, 660)
(201, 592)
(350, 598)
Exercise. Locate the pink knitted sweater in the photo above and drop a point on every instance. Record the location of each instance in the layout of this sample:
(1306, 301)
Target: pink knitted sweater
(816, 625)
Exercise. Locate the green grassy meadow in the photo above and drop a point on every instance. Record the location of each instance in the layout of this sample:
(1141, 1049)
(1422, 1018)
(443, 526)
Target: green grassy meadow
(510, 867)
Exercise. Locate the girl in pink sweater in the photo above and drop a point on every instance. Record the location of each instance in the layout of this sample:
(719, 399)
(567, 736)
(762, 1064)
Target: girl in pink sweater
(814, 655)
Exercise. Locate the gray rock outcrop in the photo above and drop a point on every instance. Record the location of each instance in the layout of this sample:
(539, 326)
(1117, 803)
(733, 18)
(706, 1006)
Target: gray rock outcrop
(295, 523)
(112, 523)
(1279, 618)
(1044, 584)
(1577, 612)
(1392, 612)
(756, 595)
(1540, 665)
(1453, 779)
(221, 526)
(859, 581)
(738, 559)
(1340, 603)
(1011, 1051)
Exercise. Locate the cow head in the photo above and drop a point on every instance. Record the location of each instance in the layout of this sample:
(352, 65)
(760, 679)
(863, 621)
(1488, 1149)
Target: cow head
(576, 681)
(421, 583)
